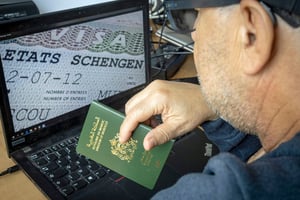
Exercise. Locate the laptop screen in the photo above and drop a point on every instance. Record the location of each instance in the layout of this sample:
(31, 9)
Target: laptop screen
(55, 64)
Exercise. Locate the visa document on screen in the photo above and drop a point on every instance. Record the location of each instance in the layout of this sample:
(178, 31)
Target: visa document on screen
(64, 69)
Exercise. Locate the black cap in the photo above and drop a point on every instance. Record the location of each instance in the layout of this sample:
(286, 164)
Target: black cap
(189, 4)
(291, 7)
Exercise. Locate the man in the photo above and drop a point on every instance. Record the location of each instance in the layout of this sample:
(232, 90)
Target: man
(247, 55)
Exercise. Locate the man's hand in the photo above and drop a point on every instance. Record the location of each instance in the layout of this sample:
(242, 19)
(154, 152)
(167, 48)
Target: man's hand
(180, 105)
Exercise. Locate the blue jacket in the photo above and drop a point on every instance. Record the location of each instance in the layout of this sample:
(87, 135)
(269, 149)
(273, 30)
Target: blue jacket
(276, 175)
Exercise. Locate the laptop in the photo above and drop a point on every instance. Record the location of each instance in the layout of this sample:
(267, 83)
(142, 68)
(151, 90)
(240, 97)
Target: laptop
(52, 67)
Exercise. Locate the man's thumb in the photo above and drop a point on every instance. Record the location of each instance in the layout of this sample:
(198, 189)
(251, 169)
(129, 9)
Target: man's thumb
(159, 135)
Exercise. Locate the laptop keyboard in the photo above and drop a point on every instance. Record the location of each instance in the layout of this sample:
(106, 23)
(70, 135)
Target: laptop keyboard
(66, 169)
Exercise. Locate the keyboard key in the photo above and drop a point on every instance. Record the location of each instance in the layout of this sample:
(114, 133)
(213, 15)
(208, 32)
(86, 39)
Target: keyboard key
(71, 141)
(41, 162)
(83, 171)
(47, 151)
(68, 149)
(61, 153)
(93, 166)
(50, 167)
(72, 148)
(63, 144)
(62, 182)
(79, 184)
(63, 161)
(36, 155)
(74, 176)
(67, 190)
(73, 156)
(72, 167)
(51, 157)
(100, 173)
(58, 173)
(82, 162)
(55, 147)
(91, 178)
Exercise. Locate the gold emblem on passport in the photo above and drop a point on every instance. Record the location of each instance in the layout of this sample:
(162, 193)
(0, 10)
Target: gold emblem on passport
(123, 151)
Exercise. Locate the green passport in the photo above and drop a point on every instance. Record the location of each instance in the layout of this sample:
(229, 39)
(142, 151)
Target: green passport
(99, 141)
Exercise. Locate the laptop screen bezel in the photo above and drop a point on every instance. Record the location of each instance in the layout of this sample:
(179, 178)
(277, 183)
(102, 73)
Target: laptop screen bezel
(48, 21)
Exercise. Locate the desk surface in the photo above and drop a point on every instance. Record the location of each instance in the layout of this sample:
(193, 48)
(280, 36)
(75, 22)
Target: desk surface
(19, 186)
(16, 185)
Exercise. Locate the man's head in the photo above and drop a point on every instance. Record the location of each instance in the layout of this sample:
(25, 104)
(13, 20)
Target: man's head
(288, 10)
(244, 55)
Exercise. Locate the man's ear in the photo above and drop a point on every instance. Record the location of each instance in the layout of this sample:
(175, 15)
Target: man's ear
(258, 36)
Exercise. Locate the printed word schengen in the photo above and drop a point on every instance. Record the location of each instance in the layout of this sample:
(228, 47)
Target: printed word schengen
(107, 62)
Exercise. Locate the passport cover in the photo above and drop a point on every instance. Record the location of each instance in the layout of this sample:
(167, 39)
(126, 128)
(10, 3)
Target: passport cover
(99, 141)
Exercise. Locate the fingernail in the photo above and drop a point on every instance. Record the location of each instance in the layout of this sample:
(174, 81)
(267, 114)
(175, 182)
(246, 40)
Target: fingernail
(121, 140)
(149, 144)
